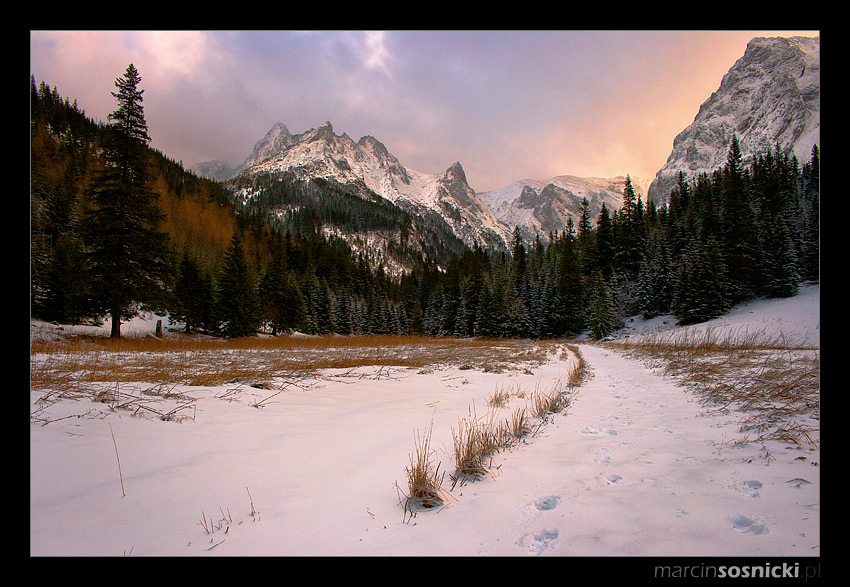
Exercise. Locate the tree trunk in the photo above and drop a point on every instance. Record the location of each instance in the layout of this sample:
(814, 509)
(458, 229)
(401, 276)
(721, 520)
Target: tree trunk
(116, 324)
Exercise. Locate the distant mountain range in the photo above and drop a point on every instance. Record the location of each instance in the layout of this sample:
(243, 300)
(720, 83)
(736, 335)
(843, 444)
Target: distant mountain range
(770, 96)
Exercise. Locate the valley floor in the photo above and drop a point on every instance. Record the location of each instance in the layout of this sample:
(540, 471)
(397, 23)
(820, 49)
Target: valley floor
(636, 466)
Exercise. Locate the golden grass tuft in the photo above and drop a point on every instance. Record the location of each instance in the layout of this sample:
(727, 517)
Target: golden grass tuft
(424, 480)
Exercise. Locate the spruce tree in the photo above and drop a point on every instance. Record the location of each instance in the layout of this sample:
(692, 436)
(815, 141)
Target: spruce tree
(810, 203)
(282, 303)
(738, 225)
(191, 299)
(702, 288)
(779, 274)
(629, 245)
(128, 255)
(570, 287)
(237, 305)
(603, 315)
(656, 282)
(605, 244)
(66, 293)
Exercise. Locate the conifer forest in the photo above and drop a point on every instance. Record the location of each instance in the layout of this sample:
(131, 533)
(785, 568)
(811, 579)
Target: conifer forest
(229, 269)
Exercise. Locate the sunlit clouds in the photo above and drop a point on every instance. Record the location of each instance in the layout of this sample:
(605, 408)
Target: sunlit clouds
(507, 105)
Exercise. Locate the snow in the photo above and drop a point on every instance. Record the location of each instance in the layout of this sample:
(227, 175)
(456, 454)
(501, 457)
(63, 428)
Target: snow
(635, 466)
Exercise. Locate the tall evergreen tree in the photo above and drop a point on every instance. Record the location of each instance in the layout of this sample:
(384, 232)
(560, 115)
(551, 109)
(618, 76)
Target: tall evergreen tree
(192, 298)
(702, 285)
(605, 244)
(739, 231)
(779, 275)
(128, 255)
(629, 234)
(66, 296)
(237, 305)
(603, 315)
(570, 286)
(282, 304)
(809, 262)
(656, 282)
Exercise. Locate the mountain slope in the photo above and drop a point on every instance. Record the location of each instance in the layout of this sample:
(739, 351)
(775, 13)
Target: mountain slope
(542, 207)
(369, 168)
(771, 95)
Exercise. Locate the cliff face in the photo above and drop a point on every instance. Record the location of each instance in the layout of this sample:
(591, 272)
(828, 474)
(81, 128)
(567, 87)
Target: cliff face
(770, 97)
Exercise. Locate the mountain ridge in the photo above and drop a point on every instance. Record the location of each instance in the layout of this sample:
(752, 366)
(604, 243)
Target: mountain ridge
(320, 153)
(770, 96)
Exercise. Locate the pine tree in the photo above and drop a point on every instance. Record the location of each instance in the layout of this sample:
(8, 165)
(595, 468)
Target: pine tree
(570, 286)
(191, 301)
(629, 234)
(281, 303)
(702, 288)
(237, 305)
(128, 255)
(605, 246)
(779, 275)
(738, 225)
(603, 316)
(810, 203)
(656, 281)
(66, 296)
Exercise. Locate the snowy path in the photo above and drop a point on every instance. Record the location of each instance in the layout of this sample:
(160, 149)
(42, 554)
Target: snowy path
(638, 468)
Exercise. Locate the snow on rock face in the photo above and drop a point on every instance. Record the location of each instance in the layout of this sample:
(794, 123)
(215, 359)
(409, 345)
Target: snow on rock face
(542, 207)
(322, 153)
(770, 96)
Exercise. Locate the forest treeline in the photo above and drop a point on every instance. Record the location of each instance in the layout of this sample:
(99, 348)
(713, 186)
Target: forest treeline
(235, 269)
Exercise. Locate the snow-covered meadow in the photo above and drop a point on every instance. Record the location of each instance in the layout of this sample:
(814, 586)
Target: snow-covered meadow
(635, 466)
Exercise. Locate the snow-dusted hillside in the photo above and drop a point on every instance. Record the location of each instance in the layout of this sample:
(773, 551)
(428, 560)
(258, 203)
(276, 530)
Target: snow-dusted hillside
(770, 96)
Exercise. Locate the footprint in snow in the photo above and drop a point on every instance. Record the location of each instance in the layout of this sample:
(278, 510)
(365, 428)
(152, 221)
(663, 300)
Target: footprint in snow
(751, 488)
(745, 525)
(597, 430)
(546, 502)
(609, 480)
(536, 543)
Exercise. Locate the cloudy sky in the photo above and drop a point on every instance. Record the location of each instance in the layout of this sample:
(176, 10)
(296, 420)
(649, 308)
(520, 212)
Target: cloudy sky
(506, 105)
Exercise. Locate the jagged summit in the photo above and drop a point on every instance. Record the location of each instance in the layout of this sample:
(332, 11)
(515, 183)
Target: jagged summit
(770, 96)
(321, 153)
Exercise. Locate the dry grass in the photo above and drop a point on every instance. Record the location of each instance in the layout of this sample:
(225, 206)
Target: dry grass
(424, 480)
(772, 380)
(143, 374)
(259, 361)
(477, 439)
(546, 402)
(110, 371)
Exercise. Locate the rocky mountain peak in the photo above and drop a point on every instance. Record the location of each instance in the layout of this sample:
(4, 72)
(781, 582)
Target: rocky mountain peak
(455, 173)
(770, 96)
